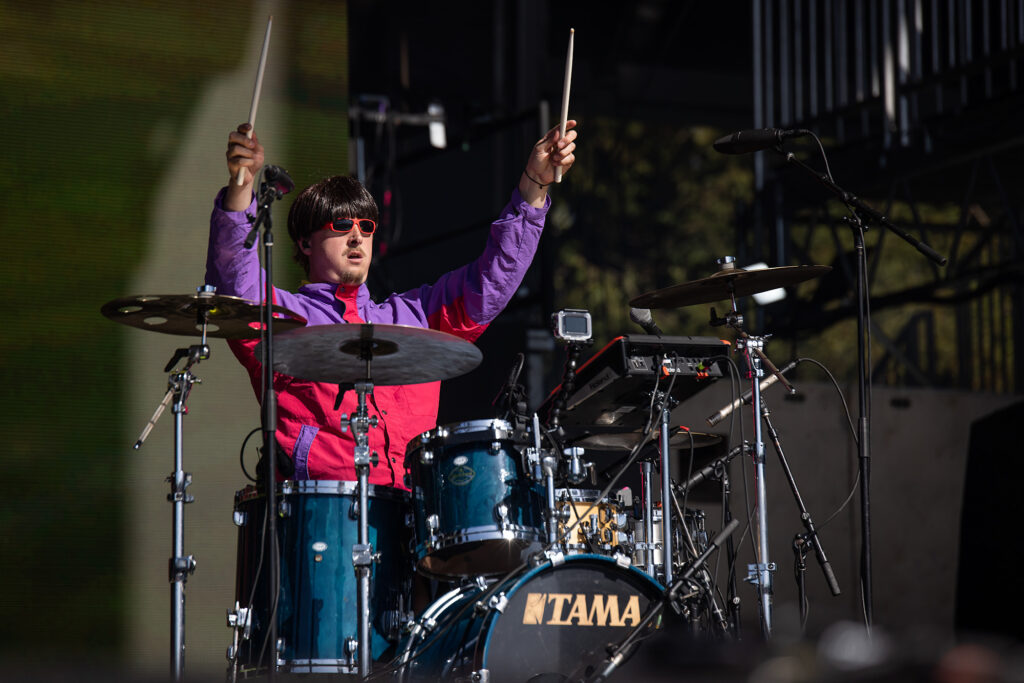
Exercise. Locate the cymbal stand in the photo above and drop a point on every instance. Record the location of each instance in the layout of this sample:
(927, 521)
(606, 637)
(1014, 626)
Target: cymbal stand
(752, 347)
(180, 566)
(363, 555)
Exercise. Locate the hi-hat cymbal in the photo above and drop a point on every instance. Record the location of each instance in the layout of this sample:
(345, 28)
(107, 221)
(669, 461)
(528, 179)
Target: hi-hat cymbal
(228, 317)
(625, 441)
(725, 283)
(398, 354)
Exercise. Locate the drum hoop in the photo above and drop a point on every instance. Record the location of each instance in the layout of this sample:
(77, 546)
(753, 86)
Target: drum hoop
(325, 487)
(490, 429)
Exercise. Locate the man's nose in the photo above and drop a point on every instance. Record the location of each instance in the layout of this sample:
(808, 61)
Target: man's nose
(355, 238)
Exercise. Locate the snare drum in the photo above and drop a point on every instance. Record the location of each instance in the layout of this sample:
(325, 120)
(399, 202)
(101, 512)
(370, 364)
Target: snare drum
(602, 529)
(317, 614)
(545, 625)
(475, 510)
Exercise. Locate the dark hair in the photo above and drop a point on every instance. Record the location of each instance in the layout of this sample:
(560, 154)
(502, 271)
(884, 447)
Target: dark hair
(335, 197)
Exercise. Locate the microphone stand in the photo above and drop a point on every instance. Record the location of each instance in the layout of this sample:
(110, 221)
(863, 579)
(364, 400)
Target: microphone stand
(857, 209)
(805, 516)
(269, 192)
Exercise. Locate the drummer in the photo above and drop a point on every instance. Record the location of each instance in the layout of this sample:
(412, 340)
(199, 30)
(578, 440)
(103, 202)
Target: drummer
(332, 225)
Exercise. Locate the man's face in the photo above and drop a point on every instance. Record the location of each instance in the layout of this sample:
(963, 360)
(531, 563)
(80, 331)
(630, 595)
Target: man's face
(339, 257)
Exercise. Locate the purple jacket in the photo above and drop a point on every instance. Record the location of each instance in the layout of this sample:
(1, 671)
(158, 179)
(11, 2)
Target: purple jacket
(461, 302)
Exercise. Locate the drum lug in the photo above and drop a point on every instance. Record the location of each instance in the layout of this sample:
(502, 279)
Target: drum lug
(495, 447)
(240, 619)
(497, 603)
(481, 676)
(240, 518)
(433, 522)
(284, 509)
(555, 557)
(278, 654)
(623, 561)
(351, 649)
(501, 514)
(426, 457)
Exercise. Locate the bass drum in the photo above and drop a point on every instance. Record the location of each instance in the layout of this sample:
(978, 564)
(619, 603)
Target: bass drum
(551, 622)
(317, 615)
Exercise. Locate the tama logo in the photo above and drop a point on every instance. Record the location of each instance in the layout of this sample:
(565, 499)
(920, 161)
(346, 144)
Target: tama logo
(580, 609)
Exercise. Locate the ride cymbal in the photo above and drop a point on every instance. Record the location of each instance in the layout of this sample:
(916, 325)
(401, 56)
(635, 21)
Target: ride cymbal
(227, 317)
(397, 354)
(726, 283)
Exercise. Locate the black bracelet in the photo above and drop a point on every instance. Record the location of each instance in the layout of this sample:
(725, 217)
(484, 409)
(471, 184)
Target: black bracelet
(531, 179)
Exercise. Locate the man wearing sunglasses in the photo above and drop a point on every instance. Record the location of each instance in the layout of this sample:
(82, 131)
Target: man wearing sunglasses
(332, 224)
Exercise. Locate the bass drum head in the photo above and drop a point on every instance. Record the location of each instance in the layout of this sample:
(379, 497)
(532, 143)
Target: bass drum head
(560, 620)
(557, 622)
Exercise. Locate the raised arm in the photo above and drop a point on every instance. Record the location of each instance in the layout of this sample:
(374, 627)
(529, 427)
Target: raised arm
(550, 152)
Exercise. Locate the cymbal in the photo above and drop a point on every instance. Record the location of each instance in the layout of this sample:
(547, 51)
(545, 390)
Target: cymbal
(625, 441)
(228, 317)
(398, 354)
(725, 283)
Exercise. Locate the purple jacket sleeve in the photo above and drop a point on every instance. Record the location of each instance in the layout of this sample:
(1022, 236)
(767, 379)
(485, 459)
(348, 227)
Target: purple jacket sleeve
(235, 270)
(465, 300)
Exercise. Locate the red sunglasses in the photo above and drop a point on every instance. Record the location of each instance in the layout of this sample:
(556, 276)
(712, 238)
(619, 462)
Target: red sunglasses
(345, 225)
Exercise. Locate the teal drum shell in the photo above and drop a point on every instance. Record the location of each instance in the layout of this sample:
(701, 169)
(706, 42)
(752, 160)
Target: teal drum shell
(317, 615)
(475, 510)
(555, 623)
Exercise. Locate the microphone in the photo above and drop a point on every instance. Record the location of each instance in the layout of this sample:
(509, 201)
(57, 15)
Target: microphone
(745, 141)
(279, 178)
(771, 379)
(643, 318)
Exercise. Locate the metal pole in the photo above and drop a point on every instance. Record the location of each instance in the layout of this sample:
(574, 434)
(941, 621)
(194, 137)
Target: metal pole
(666, 482)
(648, 519)
(764, 567)
(178, 544)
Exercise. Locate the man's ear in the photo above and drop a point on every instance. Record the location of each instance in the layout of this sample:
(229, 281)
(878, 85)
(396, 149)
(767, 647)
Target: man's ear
(306, 248)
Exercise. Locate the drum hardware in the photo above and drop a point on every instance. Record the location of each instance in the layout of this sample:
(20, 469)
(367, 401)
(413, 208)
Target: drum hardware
(729, 283)
(810, 538)
(343, 354)
(210, 315)
(618, 652)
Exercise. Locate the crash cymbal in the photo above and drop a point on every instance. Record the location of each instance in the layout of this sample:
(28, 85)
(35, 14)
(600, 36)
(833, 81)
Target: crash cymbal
(228, 317)
(725, 283)
(625, 441)
(398, 354)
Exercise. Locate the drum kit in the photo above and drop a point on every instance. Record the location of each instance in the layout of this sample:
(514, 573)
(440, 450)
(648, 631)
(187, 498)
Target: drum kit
(535, 573)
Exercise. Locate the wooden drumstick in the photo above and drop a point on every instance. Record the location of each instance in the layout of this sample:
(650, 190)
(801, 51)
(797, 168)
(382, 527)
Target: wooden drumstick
(565, 99)
(256, 93)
